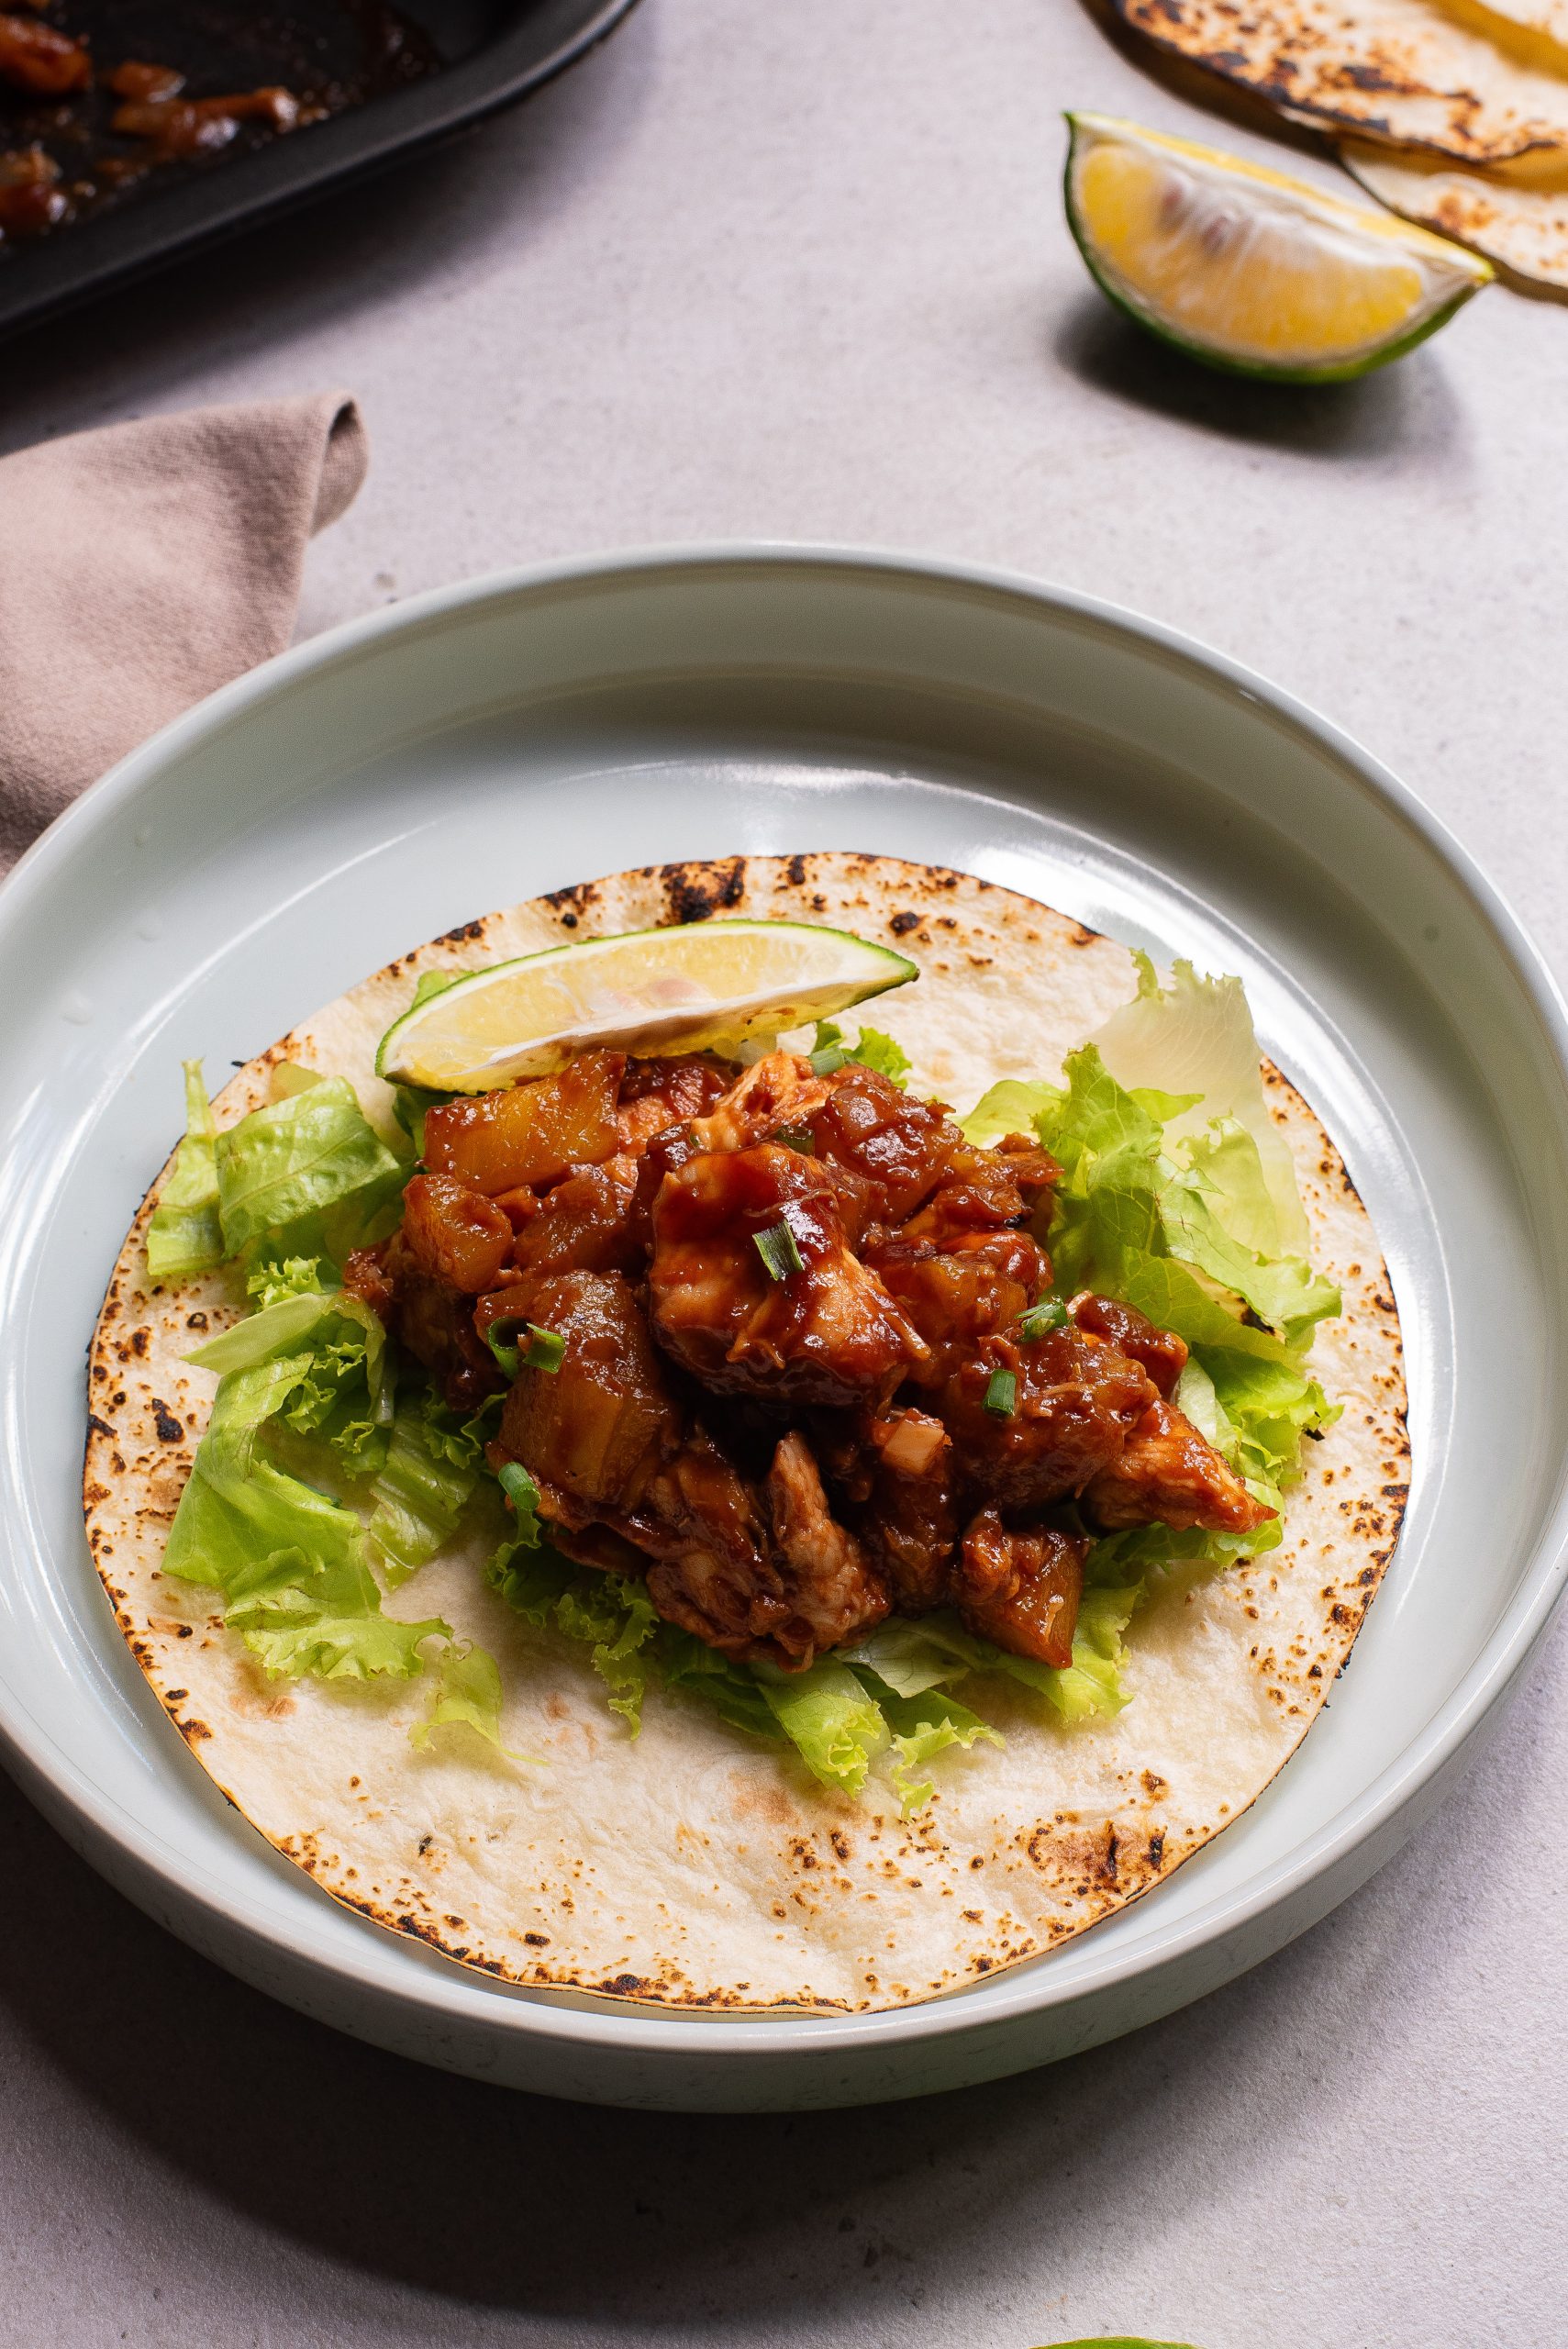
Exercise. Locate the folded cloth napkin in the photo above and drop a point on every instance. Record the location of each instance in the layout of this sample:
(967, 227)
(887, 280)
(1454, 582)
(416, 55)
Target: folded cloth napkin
(144, 565)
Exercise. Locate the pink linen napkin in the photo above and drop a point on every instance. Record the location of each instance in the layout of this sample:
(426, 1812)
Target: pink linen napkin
(144, 565)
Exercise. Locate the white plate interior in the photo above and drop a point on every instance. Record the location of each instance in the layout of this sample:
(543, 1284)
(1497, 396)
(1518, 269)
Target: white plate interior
(493, 744)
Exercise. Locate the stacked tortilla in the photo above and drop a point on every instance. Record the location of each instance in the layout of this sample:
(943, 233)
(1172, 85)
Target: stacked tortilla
(1453, 114)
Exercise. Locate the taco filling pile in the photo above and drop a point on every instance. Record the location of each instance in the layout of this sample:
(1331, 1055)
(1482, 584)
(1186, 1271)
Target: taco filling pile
(839, 1440)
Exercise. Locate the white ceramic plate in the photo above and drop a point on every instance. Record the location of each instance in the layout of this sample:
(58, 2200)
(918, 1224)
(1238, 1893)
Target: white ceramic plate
(480, 745)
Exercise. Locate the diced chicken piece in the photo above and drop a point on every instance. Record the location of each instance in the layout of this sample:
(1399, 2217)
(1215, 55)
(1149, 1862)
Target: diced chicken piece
(828, 1581)
(46, 64)
(957, 1296)
(625, 1481)
(825, 1334)
(365, 1276)
(778, 1090)
(658, 1093)
(908, 1518)
(1073, 1401)
(901, 1145)
(177, 126)
(134, 79)
(1167, 1474)
(1161, 1352)
(592, 1222)
(30, 196)
(435, 1321)
(984, 1190)
(530, 1135)
(1021, 1591)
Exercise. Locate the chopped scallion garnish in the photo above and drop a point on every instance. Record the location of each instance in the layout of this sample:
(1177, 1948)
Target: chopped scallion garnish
(799, 1138)
(1050, 1314)
(779, 1251)
(1002, 1393)
(545, 1351)
(519, 1487)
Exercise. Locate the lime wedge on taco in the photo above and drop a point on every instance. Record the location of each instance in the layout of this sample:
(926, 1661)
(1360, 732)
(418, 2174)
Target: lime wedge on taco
(697, 987)
(1248, 270)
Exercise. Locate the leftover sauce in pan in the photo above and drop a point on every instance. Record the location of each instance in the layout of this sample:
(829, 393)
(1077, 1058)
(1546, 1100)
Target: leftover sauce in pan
(101, 97)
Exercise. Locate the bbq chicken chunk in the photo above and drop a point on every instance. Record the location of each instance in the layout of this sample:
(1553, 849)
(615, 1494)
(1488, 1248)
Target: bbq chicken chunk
(46, 64)
(1021, 1591)
(900, 1483)
(1167, 1474)
(627, 1479)
(798, 1319)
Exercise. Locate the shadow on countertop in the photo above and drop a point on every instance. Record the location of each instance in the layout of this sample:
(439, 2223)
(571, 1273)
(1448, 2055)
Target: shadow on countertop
(1404, 406)
(497, 2202)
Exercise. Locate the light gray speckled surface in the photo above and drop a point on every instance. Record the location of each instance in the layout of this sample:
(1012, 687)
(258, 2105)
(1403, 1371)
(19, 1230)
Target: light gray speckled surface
(801, 273)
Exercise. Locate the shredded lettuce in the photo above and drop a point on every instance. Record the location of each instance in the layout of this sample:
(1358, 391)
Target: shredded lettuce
(307, 1175)
(1195, 1037)
(291, 1564)
(1135, 1223)
(467, 1695)
(870, 1049)
(419, 1495)
(833, 1722)
(344, 1394)
(922, 1727)
(1010, 1107)
(916, 1659)
(614, 1617)
(184, 1236)
(288, 1560)
(731, 1689)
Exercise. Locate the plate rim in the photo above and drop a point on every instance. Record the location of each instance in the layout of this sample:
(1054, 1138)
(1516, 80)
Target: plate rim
(462, 1999)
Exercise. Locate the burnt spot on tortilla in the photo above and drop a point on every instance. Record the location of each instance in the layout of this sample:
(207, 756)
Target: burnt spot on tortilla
(100, 1427)
(536, 1941)
(903, 923)
(795, 872)
(694, 892)
(170, 1429)
(467, 933)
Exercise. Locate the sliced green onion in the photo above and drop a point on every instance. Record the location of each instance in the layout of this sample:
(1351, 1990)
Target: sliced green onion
(779, 1251)
(828, 1061)
(1052, 1314)
(544, 1351)
(1002, 1393)
(799, 1138)
(519, 1487)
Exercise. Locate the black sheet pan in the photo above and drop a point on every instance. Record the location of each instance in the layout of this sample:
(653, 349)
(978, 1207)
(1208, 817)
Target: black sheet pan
(494, 53)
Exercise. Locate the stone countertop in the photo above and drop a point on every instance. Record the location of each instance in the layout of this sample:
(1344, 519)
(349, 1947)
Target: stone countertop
(803, 274)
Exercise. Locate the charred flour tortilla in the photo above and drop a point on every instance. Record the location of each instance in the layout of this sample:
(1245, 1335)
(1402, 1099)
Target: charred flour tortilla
(1520, 223)
(693, 1867)
(1466, 84)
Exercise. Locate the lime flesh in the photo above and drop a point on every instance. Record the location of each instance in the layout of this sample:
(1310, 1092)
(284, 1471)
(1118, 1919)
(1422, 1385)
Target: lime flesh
(705, 986)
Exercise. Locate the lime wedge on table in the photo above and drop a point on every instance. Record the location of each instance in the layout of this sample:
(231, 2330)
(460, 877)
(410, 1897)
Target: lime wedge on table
(689, 989)
(1248, 270)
